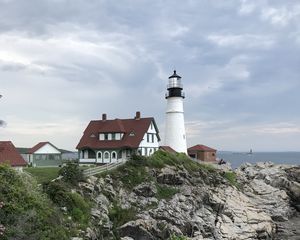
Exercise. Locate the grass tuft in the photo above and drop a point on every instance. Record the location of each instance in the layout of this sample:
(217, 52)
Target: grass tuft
(231, 177)
(165, 192)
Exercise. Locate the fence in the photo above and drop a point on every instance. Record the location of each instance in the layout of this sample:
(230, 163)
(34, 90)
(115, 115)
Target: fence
(96, 170)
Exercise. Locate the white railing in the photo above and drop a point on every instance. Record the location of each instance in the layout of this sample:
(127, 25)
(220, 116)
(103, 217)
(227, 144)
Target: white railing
(96, 170)
(87, 160)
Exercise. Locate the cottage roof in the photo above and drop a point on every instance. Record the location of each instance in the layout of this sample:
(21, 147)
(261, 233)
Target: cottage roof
(167, 149)
(40, 145)
(203, 148)
(133, 130)
(10, 155)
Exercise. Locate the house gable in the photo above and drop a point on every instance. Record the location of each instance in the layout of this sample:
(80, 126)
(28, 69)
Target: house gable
(149, 143)
(47, 149)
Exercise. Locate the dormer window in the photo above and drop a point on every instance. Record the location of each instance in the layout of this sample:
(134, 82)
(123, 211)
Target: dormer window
(93, 135)
(132, 134)
(110, 136)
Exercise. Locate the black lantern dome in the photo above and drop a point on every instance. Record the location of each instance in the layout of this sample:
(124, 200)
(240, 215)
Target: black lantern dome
(174, 86)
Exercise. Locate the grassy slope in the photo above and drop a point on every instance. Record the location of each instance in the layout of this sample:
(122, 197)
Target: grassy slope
(44, 174)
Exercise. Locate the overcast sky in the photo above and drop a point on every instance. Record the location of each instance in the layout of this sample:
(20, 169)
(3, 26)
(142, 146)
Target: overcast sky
(65, 62)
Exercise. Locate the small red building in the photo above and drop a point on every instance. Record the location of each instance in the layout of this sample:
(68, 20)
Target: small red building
(10, 155)
(203, 153)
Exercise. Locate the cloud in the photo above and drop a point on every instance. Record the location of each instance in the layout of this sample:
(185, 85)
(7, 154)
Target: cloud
(279, 129)
(247, 7)
(242, 41)
(281, 16)
(62, 62)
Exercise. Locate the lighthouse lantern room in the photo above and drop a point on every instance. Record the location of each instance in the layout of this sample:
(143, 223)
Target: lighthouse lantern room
(175, 135)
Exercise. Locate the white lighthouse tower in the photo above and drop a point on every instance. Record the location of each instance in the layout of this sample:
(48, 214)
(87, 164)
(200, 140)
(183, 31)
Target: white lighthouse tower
(175, 136)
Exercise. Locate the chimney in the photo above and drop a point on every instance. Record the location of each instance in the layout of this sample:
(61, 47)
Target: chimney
(104, 116)
(138, 115)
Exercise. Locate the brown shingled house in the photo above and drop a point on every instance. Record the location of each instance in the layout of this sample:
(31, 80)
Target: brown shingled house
(10, 155)
(203, 153)
(106, 141)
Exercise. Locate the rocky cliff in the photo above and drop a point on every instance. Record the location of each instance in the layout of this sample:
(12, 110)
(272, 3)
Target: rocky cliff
(171, 197)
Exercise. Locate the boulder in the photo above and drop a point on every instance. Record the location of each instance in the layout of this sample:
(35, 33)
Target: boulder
(145, 190)
(138, 229)
(169, 176)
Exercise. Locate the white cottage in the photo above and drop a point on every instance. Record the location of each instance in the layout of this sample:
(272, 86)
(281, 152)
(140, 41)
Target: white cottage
(106, 141)
(43, 154)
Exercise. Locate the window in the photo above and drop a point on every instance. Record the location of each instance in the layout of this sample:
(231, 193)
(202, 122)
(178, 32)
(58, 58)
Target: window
(118, 136)
(99, 155)
(105, 136)
(150, 137)
(131, 134)
(150, 151)
(139, 151)
(106, 155)
(109, 136)
(113, 155)
(101, 136)
(113, 136)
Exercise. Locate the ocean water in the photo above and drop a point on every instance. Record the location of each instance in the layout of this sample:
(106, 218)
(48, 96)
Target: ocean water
(237, 158)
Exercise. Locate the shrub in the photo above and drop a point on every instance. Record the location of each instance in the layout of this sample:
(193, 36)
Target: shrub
(27, 213)
(120, 216)
(132, 173)
(71, 173)
(76, 205)
(165, 192)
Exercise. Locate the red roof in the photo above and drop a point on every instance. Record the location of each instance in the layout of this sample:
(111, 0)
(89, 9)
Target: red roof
(200, 147)
(167, 149)
(40, 145)
(10, 155)
(138, 127)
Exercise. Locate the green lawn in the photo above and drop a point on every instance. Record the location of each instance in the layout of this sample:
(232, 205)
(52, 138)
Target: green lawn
(43, 174)
(46, 174)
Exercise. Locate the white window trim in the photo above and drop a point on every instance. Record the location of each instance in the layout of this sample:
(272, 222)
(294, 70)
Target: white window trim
(105, 154)
(98, 155)
(114, 152)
